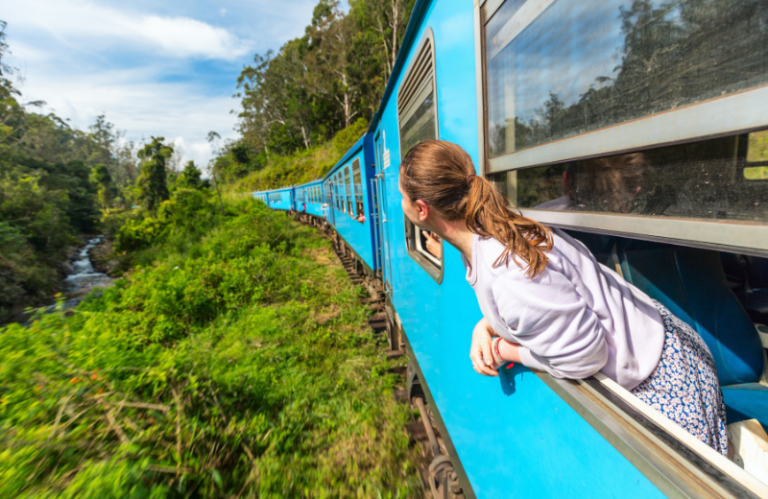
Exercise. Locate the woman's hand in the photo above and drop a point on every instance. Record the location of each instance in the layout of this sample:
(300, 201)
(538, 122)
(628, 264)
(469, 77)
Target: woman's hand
(480, 352)
(433, 243)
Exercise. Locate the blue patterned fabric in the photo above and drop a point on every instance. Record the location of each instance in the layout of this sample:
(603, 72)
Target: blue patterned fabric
(684, 385)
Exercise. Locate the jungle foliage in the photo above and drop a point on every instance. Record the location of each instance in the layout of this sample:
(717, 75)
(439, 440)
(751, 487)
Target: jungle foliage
(238, 364)
(53, 180)
(296, 100)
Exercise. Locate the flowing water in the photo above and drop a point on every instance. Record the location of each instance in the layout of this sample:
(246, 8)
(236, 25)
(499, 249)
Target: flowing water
(82, 277)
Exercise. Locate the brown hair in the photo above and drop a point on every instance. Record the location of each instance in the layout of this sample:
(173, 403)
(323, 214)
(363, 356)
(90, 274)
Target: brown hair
(442, 175)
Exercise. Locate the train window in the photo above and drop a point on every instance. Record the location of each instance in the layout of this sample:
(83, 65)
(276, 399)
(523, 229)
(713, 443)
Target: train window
(556, 69)
(418, 121)
(348, 192)
(709, 179)
(416, 98)
(336, 191)
(358, 186)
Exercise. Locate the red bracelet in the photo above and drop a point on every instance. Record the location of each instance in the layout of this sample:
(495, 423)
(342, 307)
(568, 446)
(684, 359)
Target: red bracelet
(498, 340)
(511, 364)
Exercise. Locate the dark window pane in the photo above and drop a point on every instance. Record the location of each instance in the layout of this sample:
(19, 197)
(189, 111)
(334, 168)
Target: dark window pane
(581, 66)
(706, 180)
(420, 126)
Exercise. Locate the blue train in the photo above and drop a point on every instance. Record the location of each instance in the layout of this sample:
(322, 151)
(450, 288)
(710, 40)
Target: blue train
(639, 127)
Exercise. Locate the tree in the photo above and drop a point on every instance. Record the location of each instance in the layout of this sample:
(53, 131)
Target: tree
(152, 187)
(107, 190)
(190, 177)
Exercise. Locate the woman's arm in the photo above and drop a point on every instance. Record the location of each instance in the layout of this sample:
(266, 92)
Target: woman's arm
(557, 330)
(480, 352)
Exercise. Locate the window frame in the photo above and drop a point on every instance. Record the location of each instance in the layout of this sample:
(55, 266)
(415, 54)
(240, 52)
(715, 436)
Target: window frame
(357, 186)
(738, 113)
(350, 207)
(416, 92)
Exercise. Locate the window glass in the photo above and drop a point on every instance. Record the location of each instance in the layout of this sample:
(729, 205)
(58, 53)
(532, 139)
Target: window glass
(581, 66)
(358, 186)
(420, 126)
(337, 192)
(348, 192)
(710, 179)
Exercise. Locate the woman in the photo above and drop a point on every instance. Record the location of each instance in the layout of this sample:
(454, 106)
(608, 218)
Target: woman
(548, 304)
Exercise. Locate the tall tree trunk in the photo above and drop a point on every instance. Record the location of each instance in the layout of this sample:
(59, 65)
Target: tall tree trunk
(394, 23)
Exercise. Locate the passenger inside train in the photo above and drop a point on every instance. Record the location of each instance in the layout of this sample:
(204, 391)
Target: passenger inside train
(550, 305)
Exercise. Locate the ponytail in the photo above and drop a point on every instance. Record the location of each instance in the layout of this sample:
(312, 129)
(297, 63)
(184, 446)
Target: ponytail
(442, 175)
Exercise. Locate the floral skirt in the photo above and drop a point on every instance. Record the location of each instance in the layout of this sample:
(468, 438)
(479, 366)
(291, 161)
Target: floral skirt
(684, 385)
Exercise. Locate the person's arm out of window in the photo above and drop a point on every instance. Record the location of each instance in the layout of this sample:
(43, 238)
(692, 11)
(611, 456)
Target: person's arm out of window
(557, 331)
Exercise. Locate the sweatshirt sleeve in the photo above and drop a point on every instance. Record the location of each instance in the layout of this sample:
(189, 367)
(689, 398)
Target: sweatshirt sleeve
(559, 332)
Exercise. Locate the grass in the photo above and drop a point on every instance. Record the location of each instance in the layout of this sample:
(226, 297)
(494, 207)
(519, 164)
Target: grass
(238, 363)
(303, 166)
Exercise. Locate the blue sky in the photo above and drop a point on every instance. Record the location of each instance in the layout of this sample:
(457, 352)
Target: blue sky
(153, 68)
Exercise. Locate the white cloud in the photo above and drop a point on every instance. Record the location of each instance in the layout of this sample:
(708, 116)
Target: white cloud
(180, 112)
(73, 22)
(222, 12)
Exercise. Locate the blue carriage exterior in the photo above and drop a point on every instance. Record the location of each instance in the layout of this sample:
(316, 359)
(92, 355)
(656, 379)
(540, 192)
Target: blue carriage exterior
(310, 196)
(351, 196)
(261, 196)
(279, 199)
(521, 434)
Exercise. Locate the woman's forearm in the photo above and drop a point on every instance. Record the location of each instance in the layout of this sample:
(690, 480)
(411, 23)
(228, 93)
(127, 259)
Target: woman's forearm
(509, 351)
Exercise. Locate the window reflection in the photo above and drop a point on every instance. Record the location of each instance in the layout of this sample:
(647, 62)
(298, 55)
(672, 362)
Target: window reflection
(708, 179)
(581, 66)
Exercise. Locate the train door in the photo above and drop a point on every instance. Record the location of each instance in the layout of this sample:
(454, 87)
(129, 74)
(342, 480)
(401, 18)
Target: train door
(381, 199)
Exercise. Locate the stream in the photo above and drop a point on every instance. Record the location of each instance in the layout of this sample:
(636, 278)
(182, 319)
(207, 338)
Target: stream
(82, 277)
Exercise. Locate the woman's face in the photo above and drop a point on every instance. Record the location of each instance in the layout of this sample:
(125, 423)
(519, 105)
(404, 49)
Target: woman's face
(408, 207)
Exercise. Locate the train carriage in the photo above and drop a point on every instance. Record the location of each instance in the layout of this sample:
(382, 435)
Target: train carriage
(639, 127)
(350, 206)
(261, 196)
(280, 199)
(309, 198)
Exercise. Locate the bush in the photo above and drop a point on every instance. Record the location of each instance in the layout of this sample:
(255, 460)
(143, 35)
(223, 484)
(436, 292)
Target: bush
(242, 367)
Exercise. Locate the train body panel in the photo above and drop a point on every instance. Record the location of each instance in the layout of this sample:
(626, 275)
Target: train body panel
(495, 425)
(280, 199)
(350, 188)
(309, 198)
(523, 434)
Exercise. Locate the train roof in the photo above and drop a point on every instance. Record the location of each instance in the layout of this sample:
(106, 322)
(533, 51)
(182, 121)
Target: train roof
(347, 156)
(279, 189)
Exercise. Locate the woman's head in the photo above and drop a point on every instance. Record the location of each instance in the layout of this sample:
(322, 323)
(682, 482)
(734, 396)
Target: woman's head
(441, 175)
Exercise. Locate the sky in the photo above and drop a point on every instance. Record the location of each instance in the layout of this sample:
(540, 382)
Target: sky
(153, 68)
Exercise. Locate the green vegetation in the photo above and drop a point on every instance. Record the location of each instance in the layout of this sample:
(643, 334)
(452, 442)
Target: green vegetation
(238, 364)
(53, 180)
(304, 165)
(294, 102)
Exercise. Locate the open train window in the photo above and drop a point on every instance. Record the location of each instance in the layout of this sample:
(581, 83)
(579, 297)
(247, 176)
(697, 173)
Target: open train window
(348, 191)
(358, 187)
(337, 191)
(756, 167)
(715, 179)
(417, 118)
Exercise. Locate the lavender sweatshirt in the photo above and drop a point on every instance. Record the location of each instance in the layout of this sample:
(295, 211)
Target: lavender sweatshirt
(574, 319)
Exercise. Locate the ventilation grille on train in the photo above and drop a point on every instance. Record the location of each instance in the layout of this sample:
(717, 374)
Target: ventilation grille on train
(421, 71)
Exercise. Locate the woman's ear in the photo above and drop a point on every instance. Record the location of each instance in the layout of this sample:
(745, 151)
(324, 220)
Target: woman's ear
(422, 209)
